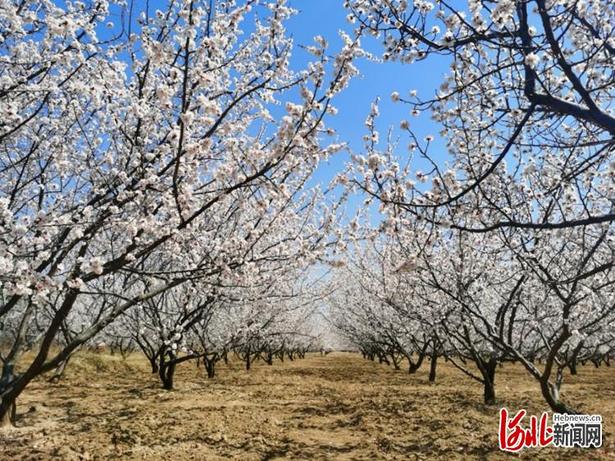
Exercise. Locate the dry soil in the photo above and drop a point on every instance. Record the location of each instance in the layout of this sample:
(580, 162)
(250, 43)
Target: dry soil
(337, 407)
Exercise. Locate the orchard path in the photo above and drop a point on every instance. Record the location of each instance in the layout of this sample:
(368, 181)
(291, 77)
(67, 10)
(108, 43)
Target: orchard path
(336, 407)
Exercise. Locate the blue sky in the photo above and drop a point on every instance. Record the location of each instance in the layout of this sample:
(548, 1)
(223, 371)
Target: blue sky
(326, 18)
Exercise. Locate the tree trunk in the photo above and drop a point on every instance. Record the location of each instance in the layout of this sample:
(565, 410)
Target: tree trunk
(166, 372)
(210, 366)
(489, 381)
(8, 407)
(8, 412)
(395, 361)
(572, 365)
(489, 393)
(154, 364)
(432, 368)
(167, 382)
(413, 367)
(551, 394)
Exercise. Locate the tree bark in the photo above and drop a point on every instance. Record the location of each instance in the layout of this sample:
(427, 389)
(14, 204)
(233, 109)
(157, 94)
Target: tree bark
(395, 361)
(154, 364)
(166, 375)
(413, 367)
(551, 394)
(8, 406)
(432, 368)
(489, 381)
(248, 361)
(8, 412)
(572, 365)
(489, 393)
(210, 367)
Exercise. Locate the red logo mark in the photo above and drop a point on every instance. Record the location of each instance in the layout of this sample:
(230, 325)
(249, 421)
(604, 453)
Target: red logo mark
(513, 437)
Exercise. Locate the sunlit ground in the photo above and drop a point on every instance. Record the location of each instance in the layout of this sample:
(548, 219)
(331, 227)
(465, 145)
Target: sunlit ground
(337, 407)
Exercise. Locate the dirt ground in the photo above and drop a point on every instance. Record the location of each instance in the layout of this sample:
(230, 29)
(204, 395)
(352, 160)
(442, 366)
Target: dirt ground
(337, 407)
